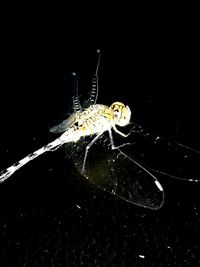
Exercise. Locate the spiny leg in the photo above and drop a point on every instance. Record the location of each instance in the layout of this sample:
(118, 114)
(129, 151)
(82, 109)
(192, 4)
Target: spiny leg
(76, 101)
(95, 86)
(87, 149)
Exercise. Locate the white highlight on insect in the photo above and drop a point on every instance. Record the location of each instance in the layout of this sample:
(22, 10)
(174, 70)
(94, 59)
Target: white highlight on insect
(159, 185)
(141, 256)
(94, 120)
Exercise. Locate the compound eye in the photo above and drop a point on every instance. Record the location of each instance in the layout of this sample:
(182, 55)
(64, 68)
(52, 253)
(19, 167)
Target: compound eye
(117, 112)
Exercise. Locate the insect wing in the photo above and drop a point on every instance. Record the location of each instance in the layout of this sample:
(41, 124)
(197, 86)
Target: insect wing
(64, 125)
(117, 173)
(162, 156)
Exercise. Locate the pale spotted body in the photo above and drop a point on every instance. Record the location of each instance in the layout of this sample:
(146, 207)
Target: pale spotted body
(95, 119)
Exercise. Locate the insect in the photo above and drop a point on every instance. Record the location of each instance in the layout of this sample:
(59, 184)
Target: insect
(95, 155)
(94, 120)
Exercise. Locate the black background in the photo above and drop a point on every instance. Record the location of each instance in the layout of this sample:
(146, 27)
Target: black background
(49, 214)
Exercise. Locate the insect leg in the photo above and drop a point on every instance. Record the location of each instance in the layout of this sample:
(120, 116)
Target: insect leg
(95, 86)
(112, 142)
(76, 101)
(87, 149)
(117, 131)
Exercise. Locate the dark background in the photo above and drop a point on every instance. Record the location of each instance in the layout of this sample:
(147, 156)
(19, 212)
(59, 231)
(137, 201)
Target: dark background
(49, 214)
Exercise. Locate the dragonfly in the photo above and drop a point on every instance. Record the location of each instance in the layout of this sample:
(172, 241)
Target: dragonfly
(94, 153)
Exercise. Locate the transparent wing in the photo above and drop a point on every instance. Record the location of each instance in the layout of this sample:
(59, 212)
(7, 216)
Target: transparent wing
(64, 125)
(116, 173)
(160, 155)
(128, 172)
